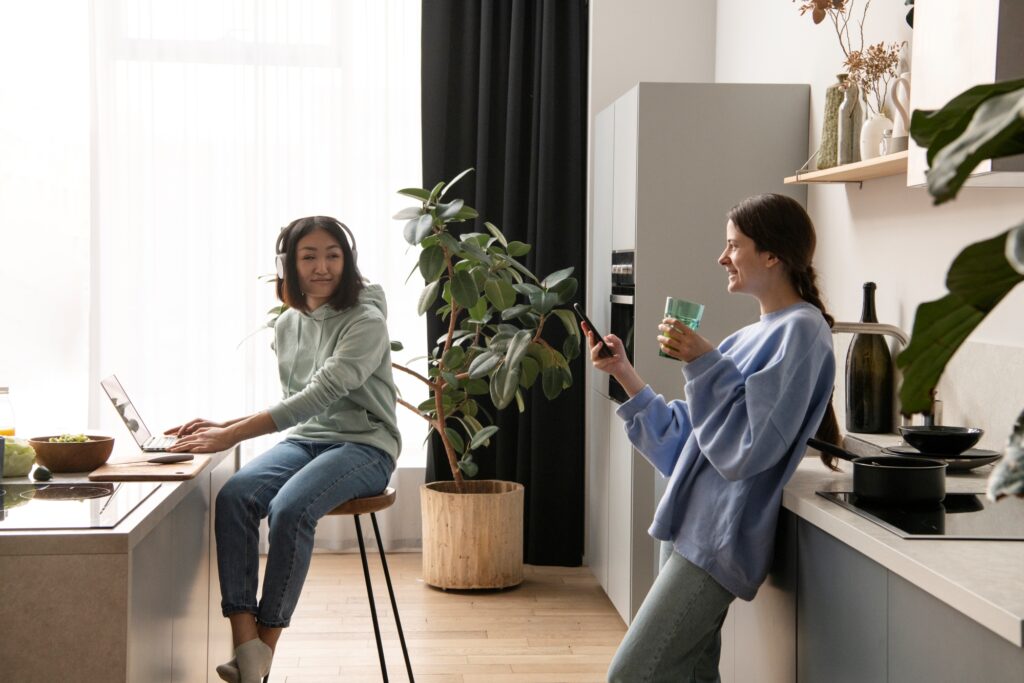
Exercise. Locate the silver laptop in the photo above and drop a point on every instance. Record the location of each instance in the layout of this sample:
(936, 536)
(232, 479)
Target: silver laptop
(132, 420)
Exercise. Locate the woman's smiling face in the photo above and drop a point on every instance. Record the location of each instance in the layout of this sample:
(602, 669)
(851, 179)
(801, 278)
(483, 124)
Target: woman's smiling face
(747, 267)
(320, 262)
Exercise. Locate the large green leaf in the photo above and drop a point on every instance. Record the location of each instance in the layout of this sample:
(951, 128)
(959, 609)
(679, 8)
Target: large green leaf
(428, 297)
(455, 439)
(418, 228)
(978, 280)
(483, 364)
(568, 319)
(415, 193)
(515, 311)
(483, 436)
(551, 381)
(453, 358)
(464, 289)
(529, 369)
(981, 275)
(450, 210)
(517, 348)
(468, 467)
(500, 294)
(936, 129)
(996, 130)
(498, 234)
(517, 249)
(406, 214)
(545, 302)
(467, 213)
(556, 277)
(504, 383)
(565, 290)
(432, 263)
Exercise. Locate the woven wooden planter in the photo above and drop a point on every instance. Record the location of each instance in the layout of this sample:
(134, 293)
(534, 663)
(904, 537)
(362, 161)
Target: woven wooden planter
(472, 539)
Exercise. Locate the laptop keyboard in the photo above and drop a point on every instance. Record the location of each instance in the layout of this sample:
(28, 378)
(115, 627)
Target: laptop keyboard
(156, 443)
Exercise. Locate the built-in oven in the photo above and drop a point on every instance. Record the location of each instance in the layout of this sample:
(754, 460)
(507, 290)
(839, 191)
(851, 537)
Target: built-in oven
(623, 291)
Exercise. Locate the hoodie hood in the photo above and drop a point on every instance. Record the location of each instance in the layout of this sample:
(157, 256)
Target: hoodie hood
(371, 295)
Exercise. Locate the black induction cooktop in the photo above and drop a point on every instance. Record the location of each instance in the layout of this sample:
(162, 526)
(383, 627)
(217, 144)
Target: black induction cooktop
(66, 505)
(960, 516)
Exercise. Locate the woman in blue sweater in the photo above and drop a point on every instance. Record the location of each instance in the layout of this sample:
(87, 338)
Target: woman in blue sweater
(729, 449)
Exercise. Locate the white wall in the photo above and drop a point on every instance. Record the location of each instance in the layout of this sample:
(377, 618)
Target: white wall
(648, 40)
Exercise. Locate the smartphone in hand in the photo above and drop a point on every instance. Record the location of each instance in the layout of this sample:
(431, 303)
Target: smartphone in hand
(604, 351)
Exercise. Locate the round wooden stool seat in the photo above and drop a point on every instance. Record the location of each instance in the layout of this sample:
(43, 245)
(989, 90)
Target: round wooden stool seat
(364, 506)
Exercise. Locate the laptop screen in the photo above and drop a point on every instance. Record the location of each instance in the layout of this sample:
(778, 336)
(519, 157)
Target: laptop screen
(126, 410)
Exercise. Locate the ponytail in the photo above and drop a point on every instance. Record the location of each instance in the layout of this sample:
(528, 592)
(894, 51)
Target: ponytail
(806, 286)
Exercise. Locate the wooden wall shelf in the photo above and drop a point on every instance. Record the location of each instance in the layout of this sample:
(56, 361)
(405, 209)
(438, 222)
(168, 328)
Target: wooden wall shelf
(879, 167)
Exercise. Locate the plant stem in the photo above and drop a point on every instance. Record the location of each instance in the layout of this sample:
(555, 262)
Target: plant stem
(449, 450)
(415, 374)
(439, 385)
(414, 409)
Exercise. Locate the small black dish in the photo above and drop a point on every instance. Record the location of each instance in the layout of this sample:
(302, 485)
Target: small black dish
(944, 440)
(968, 460)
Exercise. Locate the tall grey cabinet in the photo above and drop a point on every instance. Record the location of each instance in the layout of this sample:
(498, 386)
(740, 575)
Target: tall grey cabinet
(670, 159)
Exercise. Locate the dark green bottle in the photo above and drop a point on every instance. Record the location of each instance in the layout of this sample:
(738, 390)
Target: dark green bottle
(869, 377)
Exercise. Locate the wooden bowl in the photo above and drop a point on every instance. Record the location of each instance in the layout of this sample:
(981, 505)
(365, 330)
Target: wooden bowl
(72, 457)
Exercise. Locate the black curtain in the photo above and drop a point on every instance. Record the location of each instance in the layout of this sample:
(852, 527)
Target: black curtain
(504, 92)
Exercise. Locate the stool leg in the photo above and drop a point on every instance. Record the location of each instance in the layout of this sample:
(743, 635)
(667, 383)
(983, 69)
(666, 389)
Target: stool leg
(369, 593)
(391, 594)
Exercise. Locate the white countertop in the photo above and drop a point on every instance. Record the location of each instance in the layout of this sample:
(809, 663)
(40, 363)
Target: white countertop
(119, 539)
(984, 580)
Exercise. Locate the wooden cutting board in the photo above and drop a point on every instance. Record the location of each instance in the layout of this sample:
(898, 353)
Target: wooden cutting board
(113, 471)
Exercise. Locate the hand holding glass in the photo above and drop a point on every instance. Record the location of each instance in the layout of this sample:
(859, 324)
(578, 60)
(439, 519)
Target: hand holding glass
(686, 312)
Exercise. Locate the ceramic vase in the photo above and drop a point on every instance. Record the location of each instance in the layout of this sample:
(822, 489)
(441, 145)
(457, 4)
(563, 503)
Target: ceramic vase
(851, 119)
(900, 97)
(828, 150)
(871, 135)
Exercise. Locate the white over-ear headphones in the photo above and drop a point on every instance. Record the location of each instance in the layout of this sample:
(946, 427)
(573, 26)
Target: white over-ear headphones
(280, 265)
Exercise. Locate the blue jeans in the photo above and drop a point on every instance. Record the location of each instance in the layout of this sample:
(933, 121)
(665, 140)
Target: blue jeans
(676, 634)
(295, 483)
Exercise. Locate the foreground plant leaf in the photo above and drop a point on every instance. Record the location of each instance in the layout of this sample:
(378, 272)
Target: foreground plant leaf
(978, 280)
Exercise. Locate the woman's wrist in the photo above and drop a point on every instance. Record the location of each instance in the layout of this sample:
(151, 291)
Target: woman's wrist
(631, 382)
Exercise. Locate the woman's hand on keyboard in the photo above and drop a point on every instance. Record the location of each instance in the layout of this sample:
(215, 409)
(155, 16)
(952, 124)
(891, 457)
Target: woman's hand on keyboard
(205, 440)
(191, 426)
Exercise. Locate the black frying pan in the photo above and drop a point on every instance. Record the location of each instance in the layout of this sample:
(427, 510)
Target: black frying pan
(892, 478)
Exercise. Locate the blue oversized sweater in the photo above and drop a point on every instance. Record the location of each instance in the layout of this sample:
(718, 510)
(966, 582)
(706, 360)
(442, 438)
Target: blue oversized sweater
(729, 449)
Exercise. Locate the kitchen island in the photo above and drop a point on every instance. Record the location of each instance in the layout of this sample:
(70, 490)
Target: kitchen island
(849, 600)
(136, 602)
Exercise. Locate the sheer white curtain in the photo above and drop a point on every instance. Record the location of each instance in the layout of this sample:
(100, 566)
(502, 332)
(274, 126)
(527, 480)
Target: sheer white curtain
(217, 122)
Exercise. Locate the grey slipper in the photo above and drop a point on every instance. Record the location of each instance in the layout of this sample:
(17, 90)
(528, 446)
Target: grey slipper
(254, 658)
(229, 671)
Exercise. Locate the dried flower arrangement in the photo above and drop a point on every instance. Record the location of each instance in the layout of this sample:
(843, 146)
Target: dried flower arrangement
(873, 68)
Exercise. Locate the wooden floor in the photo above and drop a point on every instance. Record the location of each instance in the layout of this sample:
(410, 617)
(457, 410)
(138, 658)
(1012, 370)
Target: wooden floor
(557, 626)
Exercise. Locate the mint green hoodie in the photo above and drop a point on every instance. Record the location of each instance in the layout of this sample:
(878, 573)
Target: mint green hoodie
(335, 369)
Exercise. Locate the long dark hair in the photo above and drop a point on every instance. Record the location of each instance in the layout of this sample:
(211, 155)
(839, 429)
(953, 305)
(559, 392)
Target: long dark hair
(778, 224)
(288, 289)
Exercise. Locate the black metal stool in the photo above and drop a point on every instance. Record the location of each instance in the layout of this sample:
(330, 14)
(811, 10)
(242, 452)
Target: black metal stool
(372, 505)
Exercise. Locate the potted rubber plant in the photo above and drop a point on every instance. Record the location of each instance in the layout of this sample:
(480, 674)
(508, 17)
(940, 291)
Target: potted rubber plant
(984, 122)
(497, 313)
